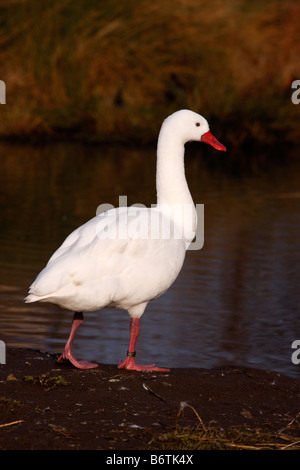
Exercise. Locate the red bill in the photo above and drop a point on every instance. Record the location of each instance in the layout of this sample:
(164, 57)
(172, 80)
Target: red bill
(208, 138)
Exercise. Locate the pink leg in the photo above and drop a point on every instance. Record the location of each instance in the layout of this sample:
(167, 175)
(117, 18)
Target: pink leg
(67, 354)
(129, 362)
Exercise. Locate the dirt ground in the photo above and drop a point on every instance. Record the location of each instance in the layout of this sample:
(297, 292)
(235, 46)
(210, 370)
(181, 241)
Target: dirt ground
(45, 405)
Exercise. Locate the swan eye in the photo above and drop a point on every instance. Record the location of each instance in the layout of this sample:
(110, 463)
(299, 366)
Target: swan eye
(197, 124)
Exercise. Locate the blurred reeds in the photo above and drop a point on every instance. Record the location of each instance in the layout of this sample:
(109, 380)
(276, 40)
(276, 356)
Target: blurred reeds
(113, 70)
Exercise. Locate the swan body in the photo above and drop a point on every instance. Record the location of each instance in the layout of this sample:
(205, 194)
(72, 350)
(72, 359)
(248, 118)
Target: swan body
(89, 272)
(125, 257)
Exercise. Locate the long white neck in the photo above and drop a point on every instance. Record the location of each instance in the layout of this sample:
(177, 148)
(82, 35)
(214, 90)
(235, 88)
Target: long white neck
(173, 195)
(171, 185)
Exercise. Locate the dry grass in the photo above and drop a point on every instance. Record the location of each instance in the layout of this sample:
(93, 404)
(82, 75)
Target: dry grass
(211, 437)
(234, 438)
(118, 68)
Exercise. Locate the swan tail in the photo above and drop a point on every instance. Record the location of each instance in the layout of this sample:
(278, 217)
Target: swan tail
(30, 298)
(34, 298)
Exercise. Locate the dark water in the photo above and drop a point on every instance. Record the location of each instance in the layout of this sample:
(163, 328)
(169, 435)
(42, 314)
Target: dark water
(236, 301)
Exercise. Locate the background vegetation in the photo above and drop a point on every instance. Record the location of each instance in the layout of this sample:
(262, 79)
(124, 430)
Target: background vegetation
(113, 69)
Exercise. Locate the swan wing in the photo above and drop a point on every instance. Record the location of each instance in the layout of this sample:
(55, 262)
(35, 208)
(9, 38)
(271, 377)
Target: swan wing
(113, 249)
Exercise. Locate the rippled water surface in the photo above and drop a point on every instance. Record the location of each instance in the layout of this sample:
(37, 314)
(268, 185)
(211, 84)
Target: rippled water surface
(236, 301)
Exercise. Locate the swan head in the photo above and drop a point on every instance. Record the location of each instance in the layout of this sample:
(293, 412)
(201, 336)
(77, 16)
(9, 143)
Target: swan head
(189, 126)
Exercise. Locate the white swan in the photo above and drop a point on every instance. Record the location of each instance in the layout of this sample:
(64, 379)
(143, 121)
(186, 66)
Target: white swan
(97, 266)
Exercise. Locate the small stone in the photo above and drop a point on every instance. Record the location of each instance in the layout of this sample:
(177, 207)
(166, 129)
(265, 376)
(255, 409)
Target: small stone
(11, 377)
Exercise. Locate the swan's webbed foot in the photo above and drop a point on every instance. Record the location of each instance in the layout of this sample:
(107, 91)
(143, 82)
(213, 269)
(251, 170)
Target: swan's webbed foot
(68, 356)
(130, 364)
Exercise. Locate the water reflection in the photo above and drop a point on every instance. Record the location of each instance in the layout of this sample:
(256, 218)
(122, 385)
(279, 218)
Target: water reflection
(235, 302)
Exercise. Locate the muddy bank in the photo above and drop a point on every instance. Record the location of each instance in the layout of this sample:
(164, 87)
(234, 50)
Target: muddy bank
(45, 405)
